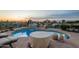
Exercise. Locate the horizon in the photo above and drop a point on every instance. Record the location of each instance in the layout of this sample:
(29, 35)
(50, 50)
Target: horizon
(24, 15)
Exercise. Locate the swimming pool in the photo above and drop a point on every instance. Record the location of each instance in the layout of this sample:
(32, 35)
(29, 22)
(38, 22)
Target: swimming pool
(26, 32)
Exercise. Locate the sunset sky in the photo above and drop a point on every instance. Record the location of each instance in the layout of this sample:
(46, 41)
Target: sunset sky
(21, 14)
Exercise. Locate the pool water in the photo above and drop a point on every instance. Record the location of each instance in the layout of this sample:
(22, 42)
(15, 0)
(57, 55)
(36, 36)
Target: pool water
(23, 32)
(26, 32)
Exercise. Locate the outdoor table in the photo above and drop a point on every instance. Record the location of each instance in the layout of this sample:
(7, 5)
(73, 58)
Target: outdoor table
(40, 39)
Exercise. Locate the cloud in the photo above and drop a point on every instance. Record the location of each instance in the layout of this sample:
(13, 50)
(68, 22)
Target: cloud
(38, 13)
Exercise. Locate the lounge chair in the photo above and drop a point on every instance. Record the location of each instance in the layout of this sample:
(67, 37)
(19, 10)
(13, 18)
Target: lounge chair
(2, 31)
(7, 41)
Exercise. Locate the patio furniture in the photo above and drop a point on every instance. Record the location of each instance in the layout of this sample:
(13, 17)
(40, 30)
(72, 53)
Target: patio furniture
(8, 41)
(2, 31)
(40, 39)
(2, 35)
(61, 38)
(55, 36)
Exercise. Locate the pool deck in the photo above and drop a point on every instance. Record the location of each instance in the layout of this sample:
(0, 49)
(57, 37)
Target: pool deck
(73, 42)
(74, 38)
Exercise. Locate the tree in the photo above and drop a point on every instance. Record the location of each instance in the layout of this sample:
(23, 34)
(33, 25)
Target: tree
(63, 21)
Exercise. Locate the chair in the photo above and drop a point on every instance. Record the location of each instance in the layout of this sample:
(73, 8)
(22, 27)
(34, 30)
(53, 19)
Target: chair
(54, 37)
(61, 38)
(7, 41)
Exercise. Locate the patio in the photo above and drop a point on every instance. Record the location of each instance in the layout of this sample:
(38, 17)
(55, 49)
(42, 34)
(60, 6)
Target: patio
(73, 42)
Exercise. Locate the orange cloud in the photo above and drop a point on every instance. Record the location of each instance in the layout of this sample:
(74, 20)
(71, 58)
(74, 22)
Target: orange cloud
(13, 19)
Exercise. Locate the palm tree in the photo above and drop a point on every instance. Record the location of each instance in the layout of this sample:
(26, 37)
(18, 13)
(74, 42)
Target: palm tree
(63, 21)
(29, 22)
